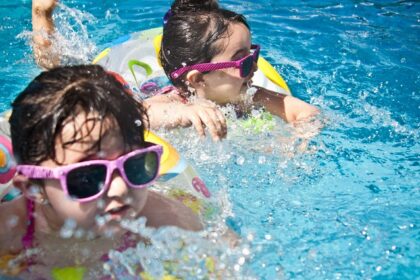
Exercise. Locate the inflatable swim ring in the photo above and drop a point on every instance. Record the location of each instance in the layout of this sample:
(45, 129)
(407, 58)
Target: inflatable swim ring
(7, 169)
(135, 58)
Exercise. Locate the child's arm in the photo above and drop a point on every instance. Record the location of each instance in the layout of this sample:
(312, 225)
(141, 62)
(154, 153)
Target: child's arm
(168, 111)
(289, 108)
(43, 28)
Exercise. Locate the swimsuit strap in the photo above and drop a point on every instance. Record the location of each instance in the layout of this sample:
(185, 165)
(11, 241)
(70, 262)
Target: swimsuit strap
(28, 238)
(128, 241)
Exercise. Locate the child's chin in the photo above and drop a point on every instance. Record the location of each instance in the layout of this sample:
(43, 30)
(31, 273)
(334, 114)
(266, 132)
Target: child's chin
(112, 229)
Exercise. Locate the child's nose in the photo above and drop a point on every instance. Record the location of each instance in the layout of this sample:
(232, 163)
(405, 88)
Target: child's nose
(117, 187)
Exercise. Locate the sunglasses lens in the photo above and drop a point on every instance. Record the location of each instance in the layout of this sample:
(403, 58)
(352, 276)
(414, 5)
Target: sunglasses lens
(247, 66)
(256, 55)
(87, 181)
(142, 169)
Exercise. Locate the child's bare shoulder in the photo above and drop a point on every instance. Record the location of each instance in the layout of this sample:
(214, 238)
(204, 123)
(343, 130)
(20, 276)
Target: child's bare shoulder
(164, 211)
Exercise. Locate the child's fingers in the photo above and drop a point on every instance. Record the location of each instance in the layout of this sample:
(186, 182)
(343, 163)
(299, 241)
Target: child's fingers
(208, 117)
(222, 122)
(198, 125)
(217, 116)
(218, 120)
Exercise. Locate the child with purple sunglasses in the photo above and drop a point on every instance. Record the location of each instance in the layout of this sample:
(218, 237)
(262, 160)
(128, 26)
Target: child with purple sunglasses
(83, 165)
(206, 51)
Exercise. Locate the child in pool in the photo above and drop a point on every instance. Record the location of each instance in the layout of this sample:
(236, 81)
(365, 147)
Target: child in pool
(82, 165)
(206, 51)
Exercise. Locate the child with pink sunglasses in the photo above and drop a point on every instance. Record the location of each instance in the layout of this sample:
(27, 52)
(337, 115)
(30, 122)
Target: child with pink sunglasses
(82, 165)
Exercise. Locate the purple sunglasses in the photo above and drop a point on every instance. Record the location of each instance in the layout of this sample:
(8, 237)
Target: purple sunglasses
(244, 64)
(86, 181)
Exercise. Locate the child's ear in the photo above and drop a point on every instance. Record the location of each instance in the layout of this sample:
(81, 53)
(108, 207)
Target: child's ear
(29, 189)
(195, 79)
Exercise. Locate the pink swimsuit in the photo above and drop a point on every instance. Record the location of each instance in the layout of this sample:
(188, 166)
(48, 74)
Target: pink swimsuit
(28, 238)
(21, 265)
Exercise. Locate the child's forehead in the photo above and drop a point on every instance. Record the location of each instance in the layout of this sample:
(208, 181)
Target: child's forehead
(87, 133)
(238, 38)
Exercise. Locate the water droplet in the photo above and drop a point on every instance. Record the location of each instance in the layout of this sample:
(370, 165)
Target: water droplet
(100, 203)
(246, 251)
(101, 154)
(138, 123)
(68, 228)
(251, 91)
(79, 233)
(100, 220)
(204, 157)
(12, 221)
(263, 265)
(128, 200)
(240, 160)
(34, 190)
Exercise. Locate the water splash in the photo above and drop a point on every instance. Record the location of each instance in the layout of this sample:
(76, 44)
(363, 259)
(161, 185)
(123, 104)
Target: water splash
(182, 254)
(71, 40)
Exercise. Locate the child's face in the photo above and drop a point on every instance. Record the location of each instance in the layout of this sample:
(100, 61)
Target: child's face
(226, 85)
(118, 202)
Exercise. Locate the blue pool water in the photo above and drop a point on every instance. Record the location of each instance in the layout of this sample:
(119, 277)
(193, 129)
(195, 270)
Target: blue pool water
(344, 204)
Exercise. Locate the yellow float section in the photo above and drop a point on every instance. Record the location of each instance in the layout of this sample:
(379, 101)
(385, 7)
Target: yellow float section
(166, 162)
(101, 55)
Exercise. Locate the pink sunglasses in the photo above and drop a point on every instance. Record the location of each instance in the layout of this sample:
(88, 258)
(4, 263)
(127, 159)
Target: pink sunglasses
(244, 64)
(88, 180)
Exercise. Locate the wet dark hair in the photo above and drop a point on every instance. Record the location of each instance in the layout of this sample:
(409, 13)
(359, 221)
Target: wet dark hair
(191, 33)
(59, 95)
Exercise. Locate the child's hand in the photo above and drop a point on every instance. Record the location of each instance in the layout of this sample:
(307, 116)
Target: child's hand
(44, 5)
(201, 114)
(43, 27)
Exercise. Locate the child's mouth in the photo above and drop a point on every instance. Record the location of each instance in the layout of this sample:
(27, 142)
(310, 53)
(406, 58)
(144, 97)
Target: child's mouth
(118, 212)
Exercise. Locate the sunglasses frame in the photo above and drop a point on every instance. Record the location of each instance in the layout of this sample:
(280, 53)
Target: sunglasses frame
(207, 67)
(61, 172)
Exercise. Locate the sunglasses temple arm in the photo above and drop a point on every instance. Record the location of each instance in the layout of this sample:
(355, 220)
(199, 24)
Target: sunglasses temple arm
(37, 172)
